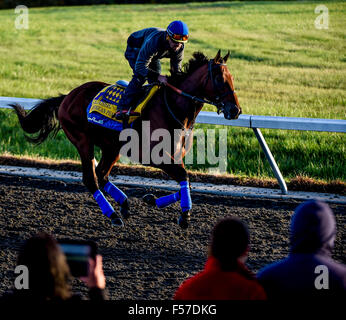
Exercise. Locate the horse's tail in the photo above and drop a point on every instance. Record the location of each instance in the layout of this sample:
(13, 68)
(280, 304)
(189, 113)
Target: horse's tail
(42, 119)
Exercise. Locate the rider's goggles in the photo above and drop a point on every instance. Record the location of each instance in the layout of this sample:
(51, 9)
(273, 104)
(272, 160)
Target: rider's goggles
(178, 37)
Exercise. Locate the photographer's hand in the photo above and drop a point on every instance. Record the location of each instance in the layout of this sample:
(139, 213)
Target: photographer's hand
(96, 277)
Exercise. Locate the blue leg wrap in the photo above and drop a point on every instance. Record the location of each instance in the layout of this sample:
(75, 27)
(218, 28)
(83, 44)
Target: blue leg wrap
(185, 203)
(115, 192)
(105, 206)
(167, 200)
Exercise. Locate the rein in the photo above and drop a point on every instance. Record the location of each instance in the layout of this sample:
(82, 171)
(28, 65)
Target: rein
(189, 96)
(218, 105)
(169, 109)
(194, 98)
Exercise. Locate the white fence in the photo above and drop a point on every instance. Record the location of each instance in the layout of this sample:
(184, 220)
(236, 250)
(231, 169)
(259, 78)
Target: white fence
(248, 121)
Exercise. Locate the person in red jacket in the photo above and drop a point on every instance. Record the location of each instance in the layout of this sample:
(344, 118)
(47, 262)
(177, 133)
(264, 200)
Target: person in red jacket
(225, 276)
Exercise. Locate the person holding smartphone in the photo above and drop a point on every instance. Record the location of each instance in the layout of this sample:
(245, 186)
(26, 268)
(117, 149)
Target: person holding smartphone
(49, 273)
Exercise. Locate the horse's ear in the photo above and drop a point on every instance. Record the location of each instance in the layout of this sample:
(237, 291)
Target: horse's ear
(225, 58)
(217, 57)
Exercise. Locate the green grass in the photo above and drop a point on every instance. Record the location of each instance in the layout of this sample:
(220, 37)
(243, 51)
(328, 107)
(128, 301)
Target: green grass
(282, 66)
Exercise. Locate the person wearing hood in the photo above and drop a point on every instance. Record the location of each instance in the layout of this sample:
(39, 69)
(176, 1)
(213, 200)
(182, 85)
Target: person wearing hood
(225, 276)
(308, 270)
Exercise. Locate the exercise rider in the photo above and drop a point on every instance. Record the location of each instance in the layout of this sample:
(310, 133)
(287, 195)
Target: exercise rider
(144, 50)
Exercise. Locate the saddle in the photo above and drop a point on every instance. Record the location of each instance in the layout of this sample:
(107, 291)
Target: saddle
(106, 101)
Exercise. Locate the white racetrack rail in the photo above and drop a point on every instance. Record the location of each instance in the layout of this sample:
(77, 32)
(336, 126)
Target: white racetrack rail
(208, 188)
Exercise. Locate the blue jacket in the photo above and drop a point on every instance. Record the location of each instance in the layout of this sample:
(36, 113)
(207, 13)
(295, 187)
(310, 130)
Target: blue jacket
(153, 45)
(295, 277)
(312, 235)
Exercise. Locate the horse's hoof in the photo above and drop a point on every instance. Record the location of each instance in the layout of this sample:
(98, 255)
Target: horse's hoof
(183, 220)
(150, 199)
(124, 209)
(116, 220)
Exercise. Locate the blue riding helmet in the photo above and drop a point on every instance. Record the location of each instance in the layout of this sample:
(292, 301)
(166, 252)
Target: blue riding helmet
(178, 31)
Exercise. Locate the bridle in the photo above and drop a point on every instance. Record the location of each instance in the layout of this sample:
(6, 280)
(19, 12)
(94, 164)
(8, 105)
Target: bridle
(215, 102)
(218, 96)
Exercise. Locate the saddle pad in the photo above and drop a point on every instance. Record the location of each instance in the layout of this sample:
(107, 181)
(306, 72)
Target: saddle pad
(106, 101)
(100, 120)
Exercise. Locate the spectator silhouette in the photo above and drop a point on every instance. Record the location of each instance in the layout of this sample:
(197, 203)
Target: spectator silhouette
(225, 276)
(309, 270)
(49, 272)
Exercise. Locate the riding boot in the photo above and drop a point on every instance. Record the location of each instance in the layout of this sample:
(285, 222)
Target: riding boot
(128, 96)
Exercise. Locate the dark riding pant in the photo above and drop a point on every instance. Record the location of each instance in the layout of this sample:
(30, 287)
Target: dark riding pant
(131, 92)
(137, 80)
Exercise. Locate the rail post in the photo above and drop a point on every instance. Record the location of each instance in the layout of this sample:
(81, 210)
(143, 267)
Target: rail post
(271, 160)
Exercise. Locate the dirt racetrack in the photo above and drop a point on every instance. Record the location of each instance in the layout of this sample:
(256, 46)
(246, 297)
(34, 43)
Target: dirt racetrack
(151, 256)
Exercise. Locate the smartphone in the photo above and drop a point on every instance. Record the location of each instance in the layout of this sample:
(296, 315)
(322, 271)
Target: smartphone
(77, 254)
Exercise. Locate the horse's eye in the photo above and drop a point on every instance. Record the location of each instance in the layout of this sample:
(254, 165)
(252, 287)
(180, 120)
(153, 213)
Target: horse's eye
(218, 79)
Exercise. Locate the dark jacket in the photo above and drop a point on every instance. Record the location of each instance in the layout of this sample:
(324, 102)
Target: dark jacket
(153, 45)
(300, 274)
(215, 284)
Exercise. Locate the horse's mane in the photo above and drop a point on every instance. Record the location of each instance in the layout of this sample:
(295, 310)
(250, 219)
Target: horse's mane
(198, 59)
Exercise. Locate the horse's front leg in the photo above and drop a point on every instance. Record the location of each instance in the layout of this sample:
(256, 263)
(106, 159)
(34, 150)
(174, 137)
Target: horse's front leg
(179, 174)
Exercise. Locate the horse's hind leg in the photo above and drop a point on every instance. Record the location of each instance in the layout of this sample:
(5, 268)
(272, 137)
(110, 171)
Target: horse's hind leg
(110, 155)
(85, 148)
(88, 164)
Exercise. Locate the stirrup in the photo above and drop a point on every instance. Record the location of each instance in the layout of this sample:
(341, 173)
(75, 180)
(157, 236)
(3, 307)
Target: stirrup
(121, 114)
(126, 114)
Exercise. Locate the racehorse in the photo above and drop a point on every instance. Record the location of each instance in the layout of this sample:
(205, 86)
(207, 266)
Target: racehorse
(201, 80)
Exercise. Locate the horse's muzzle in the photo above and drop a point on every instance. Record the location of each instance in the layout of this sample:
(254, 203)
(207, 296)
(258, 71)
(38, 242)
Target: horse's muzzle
(231, 111)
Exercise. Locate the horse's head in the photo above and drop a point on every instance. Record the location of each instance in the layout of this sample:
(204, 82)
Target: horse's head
(220, 87)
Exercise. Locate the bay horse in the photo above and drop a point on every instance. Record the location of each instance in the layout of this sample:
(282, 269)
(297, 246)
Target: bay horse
(201, 80)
